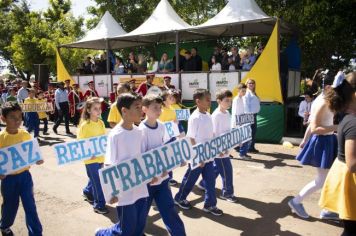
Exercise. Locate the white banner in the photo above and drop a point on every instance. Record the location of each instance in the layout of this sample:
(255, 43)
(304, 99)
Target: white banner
(19, 156)
(191, 82)
(219, 81)
(37, 107)
(207, 151)
(140, 170)
(182, 114)
(172, 130)
(80, 150)
(102, 85)
(244, 119)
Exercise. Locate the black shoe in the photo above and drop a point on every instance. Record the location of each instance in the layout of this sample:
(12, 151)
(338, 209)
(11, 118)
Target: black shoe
(55, 131)
(213, 210)
(254, 150)
(88, 198)
(172, 182)
(69, 133)
(102, 211)
(7, 232)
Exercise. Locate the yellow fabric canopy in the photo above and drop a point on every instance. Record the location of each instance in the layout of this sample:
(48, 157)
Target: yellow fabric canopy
(266, 71)
(62, 73)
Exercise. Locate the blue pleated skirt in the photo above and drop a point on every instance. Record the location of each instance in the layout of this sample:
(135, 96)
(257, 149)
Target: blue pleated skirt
(320, 151)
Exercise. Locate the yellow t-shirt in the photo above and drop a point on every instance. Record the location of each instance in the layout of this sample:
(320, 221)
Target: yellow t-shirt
(176, 106)
(88, 129)
(7, 140)
(114, 114)
(42, 115)
(168, 114)
(30, 101)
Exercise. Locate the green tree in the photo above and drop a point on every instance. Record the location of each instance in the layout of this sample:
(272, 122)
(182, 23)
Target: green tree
(29, 37)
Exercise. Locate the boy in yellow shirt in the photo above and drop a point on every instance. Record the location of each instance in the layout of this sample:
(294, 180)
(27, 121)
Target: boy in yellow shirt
(43, 115)
(92, 126)
(31, 118)
(18, 184)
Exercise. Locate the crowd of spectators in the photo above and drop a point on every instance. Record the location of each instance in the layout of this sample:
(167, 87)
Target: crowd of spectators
(221, 59)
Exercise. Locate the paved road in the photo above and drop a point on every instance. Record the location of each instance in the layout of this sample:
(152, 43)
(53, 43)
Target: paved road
(263, 186)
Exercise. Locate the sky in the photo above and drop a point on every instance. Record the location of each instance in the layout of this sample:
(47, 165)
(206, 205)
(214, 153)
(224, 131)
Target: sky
(79, 7)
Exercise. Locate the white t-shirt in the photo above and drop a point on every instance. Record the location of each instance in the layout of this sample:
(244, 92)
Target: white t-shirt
(152, 137)
(232, 67)
(221, 123)
(251, 103)
(200, 126)
(304, 106)
(216, 67)
(237, 108)
(123, 145)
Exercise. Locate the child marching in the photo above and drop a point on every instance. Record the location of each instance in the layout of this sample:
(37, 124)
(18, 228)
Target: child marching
(159, 191)
(92, 126)
(19, 184)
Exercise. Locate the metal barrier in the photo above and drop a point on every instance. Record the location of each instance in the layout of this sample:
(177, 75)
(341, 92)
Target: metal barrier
(187, 82)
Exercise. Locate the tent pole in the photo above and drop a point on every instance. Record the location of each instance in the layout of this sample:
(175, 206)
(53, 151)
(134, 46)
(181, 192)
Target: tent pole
(107, 57)
(177, 51)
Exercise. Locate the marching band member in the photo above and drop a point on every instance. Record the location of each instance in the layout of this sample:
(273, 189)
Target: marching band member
(75, 97)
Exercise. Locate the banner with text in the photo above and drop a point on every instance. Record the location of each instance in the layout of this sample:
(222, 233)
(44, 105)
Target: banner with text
(207, 151)
(37, 107)
(140, 170)
(244, 119)
(19, 156)
(80, 150)
(182, 114)
(172, 130)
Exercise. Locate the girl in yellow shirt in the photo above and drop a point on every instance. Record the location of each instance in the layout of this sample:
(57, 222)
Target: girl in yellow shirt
(92, 126)
(168, 114)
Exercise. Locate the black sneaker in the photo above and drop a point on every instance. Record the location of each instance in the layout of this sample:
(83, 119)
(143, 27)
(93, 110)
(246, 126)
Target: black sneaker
(231, 198)
(172, 182)
(254, 150)
(7, 232)
(184, 204)
(103, 210)
(55, 131)
(69, 133)
(88, 198)
(213, 210)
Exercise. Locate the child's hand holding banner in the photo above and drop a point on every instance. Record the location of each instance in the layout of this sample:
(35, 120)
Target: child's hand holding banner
(140, 170)
(19, 156)
(80, 150)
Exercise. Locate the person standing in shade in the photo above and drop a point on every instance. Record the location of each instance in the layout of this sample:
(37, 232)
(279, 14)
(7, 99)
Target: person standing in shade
(62, 106)
(22, 94)
(252, 106)
(197, 60)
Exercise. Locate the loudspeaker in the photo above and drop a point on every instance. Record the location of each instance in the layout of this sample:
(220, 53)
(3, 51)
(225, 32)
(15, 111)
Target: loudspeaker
(42, 75)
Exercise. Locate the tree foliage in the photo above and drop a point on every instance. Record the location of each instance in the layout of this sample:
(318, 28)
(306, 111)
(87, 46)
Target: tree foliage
(30, 37)
(326, 28)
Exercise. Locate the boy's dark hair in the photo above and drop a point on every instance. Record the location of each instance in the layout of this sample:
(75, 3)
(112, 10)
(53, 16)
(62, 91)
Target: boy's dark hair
(165, 94)
(200, 93)
(126, 100)
(10, 107)
(151, 98)
(241, 86)
(224, 93)
(309, 93)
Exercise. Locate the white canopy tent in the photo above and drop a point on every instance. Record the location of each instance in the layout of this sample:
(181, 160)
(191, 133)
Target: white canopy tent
(161, 27)
(240, 18)
(97, 38)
